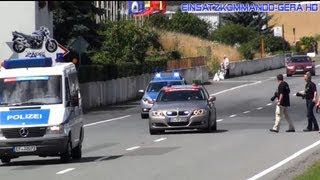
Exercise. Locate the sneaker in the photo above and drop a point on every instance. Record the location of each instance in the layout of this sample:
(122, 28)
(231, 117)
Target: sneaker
(272, 130)
(307, 130)
(290, 130)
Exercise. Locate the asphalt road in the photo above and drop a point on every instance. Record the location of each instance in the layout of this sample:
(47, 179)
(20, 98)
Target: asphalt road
(118, 146)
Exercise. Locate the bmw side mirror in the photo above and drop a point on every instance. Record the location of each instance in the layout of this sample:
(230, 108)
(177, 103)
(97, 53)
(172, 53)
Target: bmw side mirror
(212, 98)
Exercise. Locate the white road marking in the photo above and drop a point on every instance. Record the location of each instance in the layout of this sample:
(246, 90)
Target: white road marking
(65, 171)
(233, 115)
(237, 87)
(108, 120)
(259, 108)
(160, 139)
(236, 81)
(246, 112)
(284, 161)
(133, 148)
(219, 120)
(102, 158)
(269, 104)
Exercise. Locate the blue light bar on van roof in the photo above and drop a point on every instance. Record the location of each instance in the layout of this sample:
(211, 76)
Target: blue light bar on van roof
(27, 62)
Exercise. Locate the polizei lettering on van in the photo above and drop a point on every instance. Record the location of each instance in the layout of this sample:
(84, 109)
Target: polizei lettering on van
(24, 116)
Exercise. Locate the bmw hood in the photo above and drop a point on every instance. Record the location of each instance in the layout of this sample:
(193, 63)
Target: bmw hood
(181, 105)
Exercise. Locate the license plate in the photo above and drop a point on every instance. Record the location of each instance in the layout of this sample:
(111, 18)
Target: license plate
(178, 120)
(299, 70)
(25, 149)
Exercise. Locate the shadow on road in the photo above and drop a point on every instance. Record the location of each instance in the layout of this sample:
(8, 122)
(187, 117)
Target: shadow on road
(193, 131)
(57, 161)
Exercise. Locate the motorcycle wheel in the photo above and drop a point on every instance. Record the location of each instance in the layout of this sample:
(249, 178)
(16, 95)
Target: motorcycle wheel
(18, 48)
(51, 45)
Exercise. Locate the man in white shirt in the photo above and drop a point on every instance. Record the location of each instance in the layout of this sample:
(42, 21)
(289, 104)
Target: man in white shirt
(226, 65)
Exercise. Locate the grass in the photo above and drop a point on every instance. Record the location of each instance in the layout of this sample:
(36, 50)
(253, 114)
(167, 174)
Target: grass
(191, 46)
(313, 173)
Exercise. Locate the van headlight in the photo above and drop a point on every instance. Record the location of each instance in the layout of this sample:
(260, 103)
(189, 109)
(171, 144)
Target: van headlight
(309, 67)
(157, 113)
(59, 129)
(199, 112)
(146, 100)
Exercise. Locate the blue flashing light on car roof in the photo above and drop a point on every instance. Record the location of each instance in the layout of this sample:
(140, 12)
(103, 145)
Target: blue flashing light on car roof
(167, 76)
(27, 62)
(176, 74)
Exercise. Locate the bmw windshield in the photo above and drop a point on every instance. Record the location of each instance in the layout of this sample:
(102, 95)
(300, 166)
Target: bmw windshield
(156, 86)
(180, 95)
(31, 90)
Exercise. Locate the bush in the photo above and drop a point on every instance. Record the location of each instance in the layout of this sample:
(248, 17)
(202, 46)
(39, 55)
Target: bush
(306, 44)
(98, 72)
(159, 21)
(247, 51)
(273, 44)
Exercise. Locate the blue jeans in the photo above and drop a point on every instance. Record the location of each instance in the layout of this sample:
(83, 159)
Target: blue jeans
(311, 118)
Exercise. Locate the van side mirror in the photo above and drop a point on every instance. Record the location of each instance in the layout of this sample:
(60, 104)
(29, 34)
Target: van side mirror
(212, 98)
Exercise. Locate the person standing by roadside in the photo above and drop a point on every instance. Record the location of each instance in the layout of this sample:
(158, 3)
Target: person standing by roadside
(283, 102)
(311, 100)
(226, 65)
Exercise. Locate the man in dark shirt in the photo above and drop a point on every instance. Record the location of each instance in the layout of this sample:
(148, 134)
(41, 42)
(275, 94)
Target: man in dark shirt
(283, 103)
(311, 99)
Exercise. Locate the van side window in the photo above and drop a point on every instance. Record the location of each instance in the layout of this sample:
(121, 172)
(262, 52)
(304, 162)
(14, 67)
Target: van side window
(68, 95)
(73, 84)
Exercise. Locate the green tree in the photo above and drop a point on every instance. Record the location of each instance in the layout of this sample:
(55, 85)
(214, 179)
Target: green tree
(123, 41)
(190, 24)
(256, 20)
(75, 18)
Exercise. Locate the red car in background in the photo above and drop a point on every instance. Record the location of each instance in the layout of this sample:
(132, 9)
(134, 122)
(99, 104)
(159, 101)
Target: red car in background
(300, 64)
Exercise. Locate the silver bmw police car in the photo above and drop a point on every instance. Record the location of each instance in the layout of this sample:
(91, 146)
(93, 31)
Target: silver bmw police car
(183, 107)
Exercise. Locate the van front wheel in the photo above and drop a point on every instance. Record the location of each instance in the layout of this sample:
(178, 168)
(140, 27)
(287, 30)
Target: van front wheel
(66, 156)
(77, 151)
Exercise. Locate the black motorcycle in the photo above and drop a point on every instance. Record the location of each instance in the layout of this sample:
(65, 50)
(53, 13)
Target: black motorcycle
(35, 41)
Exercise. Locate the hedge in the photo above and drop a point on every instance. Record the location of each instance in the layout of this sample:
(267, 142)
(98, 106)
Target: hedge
(90, 73)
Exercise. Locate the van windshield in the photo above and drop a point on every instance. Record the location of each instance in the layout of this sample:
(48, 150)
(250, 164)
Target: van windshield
(30, 90)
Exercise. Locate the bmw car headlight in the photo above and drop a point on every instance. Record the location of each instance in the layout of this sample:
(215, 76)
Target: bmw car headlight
(157, 113)
(59, 129)
(309, 67)
(199, 112)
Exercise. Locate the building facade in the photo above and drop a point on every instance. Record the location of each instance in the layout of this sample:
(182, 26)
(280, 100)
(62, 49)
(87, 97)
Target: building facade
(114, 10)
(297, 24)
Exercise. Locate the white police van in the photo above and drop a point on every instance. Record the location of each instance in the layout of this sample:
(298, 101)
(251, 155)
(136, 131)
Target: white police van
(40, 109)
